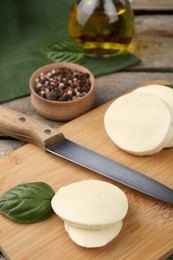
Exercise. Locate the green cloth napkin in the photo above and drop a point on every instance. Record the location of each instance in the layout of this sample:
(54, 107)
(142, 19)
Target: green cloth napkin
(27, 25)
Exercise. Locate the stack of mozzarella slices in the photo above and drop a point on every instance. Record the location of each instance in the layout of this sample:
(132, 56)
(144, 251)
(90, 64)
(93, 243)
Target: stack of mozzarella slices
(92, 211)
(141, 122)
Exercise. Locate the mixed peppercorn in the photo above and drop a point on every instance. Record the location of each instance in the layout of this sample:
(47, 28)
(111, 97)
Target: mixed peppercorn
(62, 84)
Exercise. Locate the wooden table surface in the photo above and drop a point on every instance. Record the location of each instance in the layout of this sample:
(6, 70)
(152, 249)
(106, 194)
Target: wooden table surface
(152, 43)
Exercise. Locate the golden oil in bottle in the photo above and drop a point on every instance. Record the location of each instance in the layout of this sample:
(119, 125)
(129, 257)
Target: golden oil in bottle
(104, 27)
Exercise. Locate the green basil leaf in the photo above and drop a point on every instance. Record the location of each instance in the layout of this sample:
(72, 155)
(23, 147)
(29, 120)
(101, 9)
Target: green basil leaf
(27, 203)
(63, 51)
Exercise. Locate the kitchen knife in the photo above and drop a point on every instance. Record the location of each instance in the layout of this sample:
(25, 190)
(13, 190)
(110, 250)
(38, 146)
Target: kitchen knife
(25, 128)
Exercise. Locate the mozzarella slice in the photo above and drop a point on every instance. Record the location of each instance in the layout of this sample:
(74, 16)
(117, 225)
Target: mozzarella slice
(170, 143)
(161, 91)
(139, 123)
(92, 239)
(165, 93)
(90, 204)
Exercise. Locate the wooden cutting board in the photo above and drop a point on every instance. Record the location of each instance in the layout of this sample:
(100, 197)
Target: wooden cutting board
(148, 227)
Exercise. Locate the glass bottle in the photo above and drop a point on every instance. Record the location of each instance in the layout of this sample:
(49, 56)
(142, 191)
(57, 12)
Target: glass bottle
(104, 27)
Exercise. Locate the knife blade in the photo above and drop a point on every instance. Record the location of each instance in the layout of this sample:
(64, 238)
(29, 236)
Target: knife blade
(27, 129)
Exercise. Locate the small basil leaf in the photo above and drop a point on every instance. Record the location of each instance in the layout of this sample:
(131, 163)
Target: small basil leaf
(27, 203)
(63, 51)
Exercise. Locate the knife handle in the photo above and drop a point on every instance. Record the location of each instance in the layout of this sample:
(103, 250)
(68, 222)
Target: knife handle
(25, 128)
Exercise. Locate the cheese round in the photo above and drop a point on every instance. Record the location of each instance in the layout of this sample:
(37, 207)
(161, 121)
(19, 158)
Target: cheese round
(92, 239)
(139, 123)
(165, 93)
(161, 91)
(90, 204)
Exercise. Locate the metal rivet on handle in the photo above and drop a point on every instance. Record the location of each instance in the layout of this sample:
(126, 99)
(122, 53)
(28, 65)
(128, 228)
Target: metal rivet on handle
(22, 119)
(47, 131)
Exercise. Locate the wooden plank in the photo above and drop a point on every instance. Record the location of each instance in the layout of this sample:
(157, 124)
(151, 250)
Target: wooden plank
(158, 5)
(152, 43)
(148, 228)
(114, 85)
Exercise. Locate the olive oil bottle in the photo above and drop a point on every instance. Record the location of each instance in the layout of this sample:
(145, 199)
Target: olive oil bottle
(104, 27)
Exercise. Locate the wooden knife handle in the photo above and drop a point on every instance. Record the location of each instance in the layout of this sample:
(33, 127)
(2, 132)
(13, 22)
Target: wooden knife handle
(25, 128)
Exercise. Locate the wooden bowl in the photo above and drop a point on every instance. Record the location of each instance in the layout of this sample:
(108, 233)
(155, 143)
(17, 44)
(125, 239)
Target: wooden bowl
(61, 110)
